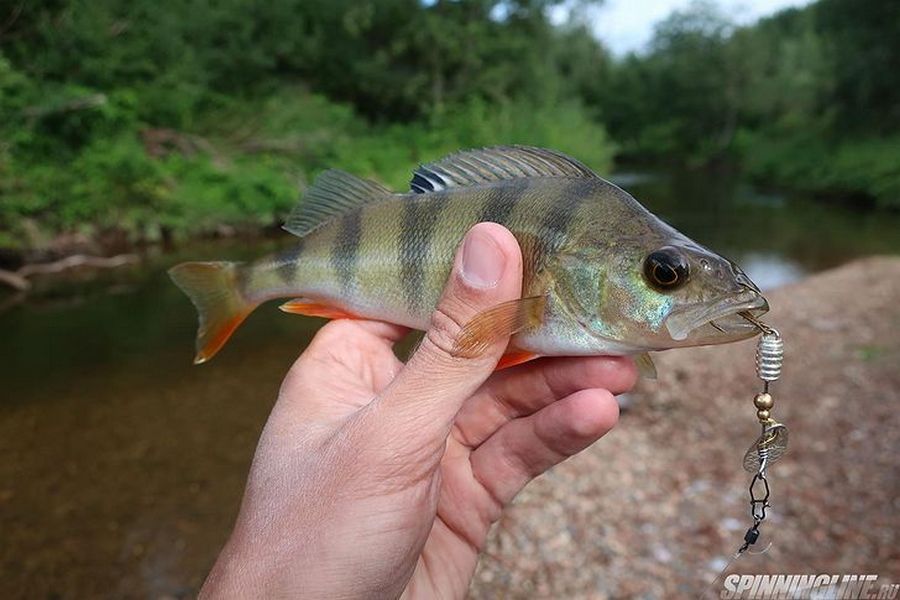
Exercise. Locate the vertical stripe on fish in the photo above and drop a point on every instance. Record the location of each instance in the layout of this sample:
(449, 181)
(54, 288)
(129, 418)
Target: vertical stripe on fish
(499, 203)
(419, 221)
(345, 252)
(287, 261)
(555, 225)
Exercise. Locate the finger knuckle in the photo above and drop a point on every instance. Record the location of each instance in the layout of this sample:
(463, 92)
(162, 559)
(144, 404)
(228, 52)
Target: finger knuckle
(616, 373)
(443, 332)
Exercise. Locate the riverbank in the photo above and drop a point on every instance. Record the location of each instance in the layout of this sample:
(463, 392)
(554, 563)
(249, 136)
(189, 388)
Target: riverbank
(712, 205)
(240, 165)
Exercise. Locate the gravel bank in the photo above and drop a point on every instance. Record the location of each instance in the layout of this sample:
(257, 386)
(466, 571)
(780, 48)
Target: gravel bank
(655, 509)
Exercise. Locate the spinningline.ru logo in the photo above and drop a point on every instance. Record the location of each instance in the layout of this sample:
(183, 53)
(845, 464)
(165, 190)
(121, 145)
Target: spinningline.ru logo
(813, 587)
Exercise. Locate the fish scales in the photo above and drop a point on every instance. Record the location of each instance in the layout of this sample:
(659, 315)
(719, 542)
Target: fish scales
(611, 277)
(310, 262)
(366, 250)
(409, 240)
(558, 218)
(344, 252)
(315, 267)
(286, 265)
(382, 228)
(458, 210)
(420, 218)
(273, 275)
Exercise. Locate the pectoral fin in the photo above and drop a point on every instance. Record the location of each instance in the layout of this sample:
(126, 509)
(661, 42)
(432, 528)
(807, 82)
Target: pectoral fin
(499, 322)
(645, 366)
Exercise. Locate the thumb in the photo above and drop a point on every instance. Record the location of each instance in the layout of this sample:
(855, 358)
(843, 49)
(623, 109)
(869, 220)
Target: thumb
(425, 396)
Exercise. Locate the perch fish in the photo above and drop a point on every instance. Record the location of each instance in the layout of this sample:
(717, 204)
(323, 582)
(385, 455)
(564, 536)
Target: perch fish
(602, 274)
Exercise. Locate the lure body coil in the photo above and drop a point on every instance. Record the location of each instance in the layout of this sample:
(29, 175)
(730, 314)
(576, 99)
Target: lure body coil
(769, 356)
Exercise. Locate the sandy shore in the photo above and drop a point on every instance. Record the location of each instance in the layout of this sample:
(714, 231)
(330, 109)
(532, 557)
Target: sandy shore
(655, 509)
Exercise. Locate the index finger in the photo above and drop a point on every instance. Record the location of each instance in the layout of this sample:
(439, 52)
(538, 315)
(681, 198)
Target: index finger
(526, 389)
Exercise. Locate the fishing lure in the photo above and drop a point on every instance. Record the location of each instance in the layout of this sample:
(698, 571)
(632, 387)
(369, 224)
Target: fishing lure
(772, 442)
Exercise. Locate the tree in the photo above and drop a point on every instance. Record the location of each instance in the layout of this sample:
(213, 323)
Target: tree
(863, 38)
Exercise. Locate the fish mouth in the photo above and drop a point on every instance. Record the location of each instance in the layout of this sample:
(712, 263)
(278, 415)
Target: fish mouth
(721, 319)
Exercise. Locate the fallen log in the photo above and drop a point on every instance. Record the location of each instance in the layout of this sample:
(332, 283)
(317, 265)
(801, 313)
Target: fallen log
(18, 280)
(14, 280)
(77, 260)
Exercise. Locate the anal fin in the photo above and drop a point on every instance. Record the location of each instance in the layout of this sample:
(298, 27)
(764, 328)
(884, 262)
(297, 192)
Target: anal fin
(645, 366)
(515, 357)
(311, 308)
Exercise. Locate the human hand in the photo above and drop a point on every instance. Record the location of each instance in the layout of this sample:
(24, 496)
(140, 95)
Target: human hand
(375, 479)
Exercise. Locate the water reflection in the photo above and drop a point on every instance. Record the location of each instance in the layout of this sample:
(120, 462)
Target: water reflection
(775, 237)
(770, 271)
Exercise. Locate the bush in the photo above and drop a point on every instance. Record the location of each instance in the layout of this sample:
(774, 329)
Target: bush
(810, 162)
(246, 161)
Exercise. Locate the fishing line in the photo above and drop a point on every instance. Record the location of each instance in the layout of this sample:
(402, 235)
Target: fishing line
(770, 446)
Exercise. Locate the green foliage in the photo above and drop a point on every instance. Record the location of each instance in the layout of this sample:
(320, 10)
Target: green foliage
(807, 98)
(250, 161)
(679, 98)
(867, 167)
(190, 115)
(863, 40)
(185, 115)
(387, 152)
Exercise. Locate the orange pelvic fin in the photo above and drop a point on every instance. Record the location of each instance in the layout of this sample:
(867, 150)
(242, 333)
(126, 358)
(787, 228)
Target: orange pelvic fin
(499, 322)
(311, 308)
(221, 307)
(515, 357)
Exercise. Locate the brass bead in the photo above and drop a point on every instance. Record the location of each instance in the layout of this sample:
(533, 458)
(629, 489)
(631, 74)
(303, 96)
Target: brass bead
(763, 401)
(762, 415)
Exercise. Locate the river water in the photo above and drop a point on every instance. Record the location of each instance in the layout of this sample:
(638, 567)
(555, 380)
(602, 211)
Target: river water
(122, 465)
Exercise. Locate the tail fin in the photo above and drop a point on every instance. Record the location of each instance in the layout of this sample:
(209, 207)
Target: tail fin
(212, 287)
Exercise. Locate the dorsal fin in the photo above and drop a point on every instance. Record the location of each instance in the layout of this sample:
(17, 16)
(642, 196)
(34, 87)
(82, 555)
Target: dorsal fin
(332, 194)
(472, 167)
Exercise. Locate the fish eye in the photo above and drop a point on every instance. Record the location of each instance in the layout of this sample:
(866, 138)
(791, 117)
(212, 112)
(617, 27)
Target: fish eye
(666, 269)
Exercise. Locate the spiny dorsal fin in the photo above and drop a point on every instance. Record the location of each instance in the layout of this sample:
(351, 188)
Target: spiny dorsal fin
(472, 167)
(332, 194)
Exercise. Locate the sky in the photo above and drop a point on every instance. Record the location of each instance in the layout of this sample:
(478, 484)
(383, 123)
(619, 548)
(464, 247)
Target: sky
(626, 25)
